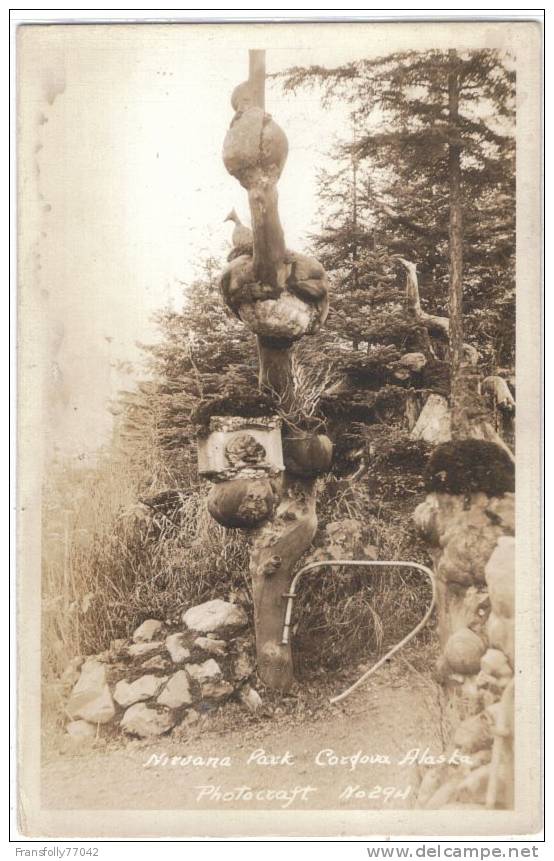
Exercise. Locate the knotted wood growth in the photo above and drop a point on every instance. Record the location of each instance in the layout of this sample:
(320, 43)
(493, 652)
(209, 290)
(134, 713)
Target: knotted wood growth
(281, 296)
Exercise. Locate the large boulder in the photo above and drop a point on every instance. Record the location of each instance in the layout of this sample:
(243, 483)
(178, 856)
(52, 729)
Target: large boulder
(147, 722)
(91, 699)
(142, 689)
(138, 650)
(250, 698)
(148, 631)
(175, 645)
(176, 693)
(243, 666)
(215, 616)
(209, 671)
(213, 647)
(500, 575)
(217, 690)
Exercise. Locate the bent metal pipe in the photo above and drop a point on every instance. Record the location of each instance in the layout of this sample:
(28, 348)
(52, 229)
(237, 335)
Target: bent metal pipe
(362, 563)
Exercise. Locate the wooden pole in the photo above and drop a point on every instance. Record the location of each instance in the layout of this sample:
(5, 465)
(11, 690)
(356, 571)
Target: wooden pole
(278, 544)
(255, 152)
(256, 77)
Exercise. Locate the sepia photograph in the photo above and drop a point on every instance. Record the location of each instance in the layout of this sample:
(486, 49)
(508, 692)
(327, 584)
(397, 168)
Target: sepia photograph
(279, 429)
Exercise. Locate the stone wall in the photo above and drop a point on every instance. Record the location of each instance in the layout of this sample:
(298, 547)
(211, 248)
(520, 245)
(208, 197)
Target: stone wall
(473, 544)
(166, 676)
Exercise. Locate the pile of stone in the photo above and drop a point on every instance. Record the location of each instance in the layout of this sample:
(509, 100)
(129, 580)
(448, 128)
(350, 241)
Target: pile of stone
(166, 676)
(474, 548)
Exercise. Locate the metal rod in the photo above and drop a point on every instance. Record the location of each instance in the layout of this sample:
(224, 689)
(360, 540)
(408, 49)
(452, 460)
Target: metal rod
(362, 563)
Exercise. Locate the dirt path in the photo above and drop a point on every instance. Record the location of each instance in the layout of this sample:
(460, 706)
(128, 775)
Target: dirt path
(386, 720)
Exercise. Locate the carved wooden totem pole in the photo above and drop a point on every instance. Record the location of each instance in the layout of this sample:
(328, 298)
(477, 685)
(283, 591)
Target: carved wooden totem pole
(262, 482)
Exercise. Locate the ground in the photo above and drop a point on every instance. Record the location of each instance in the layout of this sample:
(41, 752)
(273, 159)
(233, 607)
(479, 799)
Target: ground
(396, 713)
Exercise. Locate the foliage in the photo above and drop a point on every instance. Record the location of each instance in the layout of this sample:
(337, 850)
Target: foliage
(388, 194)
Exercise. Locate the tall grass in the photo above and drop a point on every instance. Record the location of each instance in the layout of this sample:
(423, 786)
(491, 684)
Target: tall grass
(109, 563)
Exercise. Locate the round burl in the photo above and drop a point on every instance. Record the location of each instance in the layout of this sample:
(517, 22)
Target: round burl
(308, 280)
(501, 635)
(287, 317)
(494, 663)
(307, 456)
(241, 503)
(463, 651)
(238, 285)
(271, 312)
(254, 143)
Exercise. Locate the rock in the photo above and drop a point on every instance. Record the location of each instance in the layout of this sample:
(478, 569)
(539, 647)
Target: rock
(495, 663)
(473, 734)
(433, 424)
(142, 689)
(346, 532)
(432, 780)
(502, 509)
(474, 787)
(209, 671)
(91, 698)
(175, 645)
(443, 795)
(216, 615)
(146, 721)
(156, 663)
(72, 672)
(139, 649)
(146, 632)
(191, 717)
(499, 573)
(217, 690)
(177, 692)
(81, 729)
(243, 667)
(211, 645)
(501, 635)
(117, 645)
(413, 361)
(250, 698)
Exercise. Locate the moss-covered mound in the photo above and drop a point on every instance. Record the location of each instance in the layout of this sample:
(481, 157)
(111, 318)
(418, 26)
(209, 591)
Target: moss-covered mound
(470, 466)
(233, 402)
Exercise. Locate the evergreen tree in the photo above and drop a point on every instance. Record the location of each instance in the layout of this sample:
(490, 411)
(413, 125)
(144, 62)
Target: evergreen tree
(400, 106)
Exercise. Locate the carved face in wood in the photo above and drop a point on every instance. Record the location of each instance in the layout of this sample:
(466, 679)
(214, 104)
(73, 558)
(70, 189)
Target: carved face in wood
(244, 449)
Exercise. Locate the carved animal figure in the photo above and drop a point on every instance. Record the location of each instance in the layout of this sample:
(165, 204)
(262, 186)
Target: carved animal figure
(242, 235)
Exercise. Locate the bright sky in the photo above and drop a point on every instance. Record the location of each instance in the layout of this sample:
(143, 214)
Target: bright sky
(123, 187)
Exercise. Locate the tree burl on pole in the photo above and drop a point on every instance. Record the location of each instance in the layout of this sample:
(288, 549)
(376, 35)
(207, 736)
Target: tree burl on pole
(281, 296)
